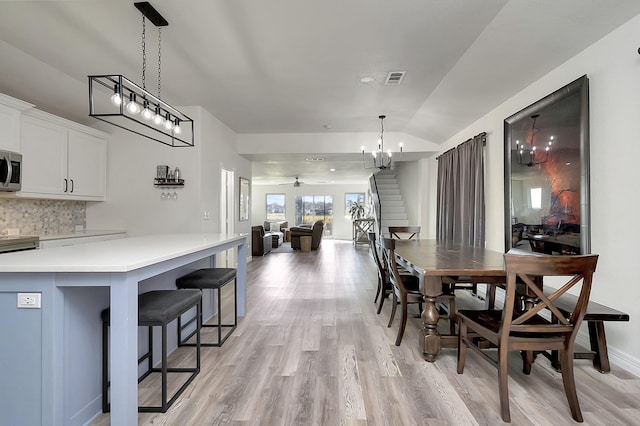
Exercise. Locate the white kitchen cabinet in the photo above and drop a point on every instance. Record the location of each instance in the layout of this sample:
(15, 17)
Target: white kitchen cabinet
(10, 110)
(61, 159)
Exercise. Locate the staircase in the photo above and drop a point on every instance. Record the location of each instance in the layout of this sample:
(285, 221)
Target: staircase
(392, 208)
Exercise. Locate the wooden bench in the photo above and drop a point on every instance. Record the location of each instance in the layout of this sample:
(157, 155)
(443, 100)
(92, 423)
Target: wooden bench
(595, 317)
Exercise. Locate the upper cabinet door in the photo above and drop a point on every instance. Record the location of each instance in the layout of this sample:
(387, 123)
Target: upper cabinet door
(10, 112)
(87, 161)
(10, 125)
(44, 157)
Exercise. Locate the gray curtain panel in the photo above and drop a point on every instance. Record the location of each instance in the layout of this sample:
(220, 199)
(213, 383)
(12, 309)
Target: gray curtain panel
(460, 204)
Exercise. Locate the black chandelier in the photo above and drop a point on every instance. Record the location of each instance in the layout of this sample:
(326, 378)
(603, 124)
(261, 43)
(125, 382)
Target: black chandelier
(131, 107)
(531, 155)
(381, 159)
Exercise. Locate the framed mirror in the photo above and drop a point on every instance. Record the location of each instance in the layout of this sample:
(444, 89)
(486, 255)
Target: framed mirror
(244, 199)
(546, 179)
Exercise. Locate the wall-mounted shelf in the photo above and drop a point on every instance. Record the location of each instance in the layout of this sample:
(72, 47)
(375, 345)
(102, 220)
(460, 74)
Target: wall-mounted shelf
(168, 183)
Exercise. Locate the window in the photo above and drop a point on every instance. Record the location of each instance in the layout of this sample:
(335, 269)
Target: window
(275, 207)
(310, 208)
(350, 199)
(536, 198)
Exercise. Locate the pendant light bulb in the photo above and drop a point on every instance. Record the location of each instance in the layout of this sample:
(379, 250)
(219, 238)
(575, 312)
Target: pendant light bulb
(133, 106)
(168, 124)
(157, 119)
(177, 129)
(147, 114)
(116, 99)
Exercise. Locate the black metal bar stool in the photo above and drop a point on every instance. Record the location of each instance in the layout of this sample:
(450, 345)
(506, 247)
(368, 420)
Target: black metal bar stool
(212, 278)
(155, 309)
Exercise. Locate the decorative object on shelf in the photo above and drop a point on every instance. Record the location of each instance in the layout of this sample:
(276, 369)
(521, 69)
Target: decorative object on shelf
(165, 177)
(162, 172)
(530, 155)
(381, 159)
(131, 107)
(356, 211)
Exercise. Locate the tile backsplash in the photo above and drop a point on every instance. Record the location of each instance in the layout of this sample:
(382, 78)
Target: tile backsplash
(42, 217)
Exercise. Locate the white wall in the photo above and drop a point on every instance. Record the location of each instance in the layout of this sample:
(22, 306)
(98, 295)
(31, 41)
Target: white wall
(134, 204)
(408, 178)
(341, 225)
(613, 67)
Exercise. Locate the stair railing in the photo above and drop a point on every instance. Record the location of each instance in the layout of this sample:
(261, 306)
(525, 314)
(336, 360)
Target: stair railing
(375, 201)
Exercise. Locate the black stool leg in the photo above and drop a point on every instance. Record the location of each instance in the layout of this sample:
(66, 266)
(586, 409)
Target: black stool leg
(105, 367)
(164, 368)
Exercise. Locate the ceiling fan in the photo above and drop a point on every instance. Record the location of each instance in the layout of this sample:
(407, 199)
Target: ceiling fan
(296, 184)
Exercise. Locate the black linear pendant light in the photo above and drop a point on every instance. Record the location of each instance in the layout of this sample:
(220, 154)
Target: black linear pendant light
(118, 101)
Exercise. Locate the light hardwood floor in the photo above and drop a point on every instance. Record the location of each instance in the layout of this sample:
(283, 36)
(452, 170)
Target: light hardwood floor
(312, 351)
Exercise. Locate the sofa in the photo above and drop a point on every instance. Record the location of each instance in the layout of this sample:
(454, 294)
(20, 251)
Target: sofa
(261, 241)
(277, 230)
(315, 232)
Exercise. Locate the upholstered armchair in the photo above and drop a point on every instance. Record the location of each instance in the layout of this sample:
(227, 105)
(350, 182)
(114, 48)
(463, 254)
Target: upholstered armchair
(275, 226)
(277, 229)
(315, 232)
(261, 241)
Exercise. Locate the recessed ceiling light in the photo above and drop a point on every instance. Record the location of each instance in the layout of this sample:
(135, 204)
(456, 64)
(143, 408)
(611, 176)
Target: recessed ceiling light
(367, 79)
(332, 170)
(314, 159)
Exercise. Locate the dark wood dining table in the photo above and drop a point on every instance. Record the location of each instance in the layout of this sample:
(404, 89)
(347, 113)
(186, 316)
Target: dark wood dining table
(433, 260)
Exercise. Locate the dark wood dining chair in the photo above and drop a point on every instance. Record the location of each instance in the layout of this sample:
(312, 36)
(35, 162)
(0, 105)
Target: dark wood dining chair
(404, 232)
(384, 284)
(406, 289)
(515, 328)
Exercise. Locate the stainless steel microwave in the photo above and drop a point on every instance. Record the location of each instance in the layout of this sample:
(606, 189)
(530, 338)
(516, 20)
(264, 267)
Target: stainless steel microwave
(10, 171)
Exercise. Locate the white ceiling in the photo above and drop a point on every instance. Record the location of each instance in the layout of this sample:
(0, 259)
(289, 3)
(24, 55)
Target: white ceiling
(293, 66)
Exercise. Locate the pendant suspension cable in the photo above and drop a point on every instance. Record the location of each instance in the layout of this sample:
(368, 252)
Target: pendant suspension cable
(144, 53)
(159, 58)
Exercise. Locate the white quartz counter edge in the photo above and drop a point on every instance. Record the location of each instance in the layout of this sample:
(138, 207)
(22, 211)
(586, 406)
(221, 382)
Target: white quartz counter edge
(80, 234)
(120, 255)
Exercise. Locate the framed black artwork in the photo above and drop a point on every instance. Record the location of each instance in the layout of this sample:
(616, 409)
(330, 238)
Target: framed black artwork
(546, 173)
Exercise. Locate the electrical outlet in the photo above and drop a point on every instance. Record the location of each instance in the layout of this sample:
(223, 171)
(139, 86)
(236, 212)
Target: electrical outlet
(79, 228)
(206, 216)
(13, 231)
(29, 300)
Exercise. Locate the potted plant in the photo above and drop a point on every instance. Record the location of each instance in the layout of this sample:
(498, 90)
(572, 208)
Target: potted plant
(356, 211)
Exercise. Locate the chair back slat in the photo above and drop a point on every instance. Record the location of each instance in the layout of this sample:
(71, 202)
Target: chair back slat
(389, 246)
(528, 270)
(382, 270)
(400, 232)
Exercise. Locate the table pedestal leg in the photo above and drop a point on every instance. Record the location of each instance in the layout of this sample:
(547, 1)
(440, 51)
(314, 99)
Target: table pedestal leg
(431, 337)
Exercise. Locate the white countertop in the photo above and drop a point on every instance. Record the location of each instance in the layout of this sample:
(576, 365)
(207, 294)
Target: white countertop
(80, 234)
(120, 255)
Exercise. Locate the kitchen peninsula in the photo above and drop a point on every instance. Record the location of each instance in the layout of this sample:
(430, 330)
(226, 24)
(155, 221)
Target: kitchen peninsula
(51, 366)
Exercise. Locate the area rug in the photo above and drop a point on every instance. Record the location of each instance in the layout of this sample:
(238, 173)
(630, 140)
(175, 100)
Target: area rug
(284, 248)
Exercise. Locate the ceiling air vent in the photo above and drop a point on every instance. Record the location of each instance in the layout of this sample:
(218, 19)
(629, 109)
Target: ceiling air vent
(394, 78)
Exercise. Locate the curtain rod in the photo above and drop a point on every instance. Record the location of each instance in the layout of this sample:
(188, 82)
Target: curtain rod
(484, 143)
